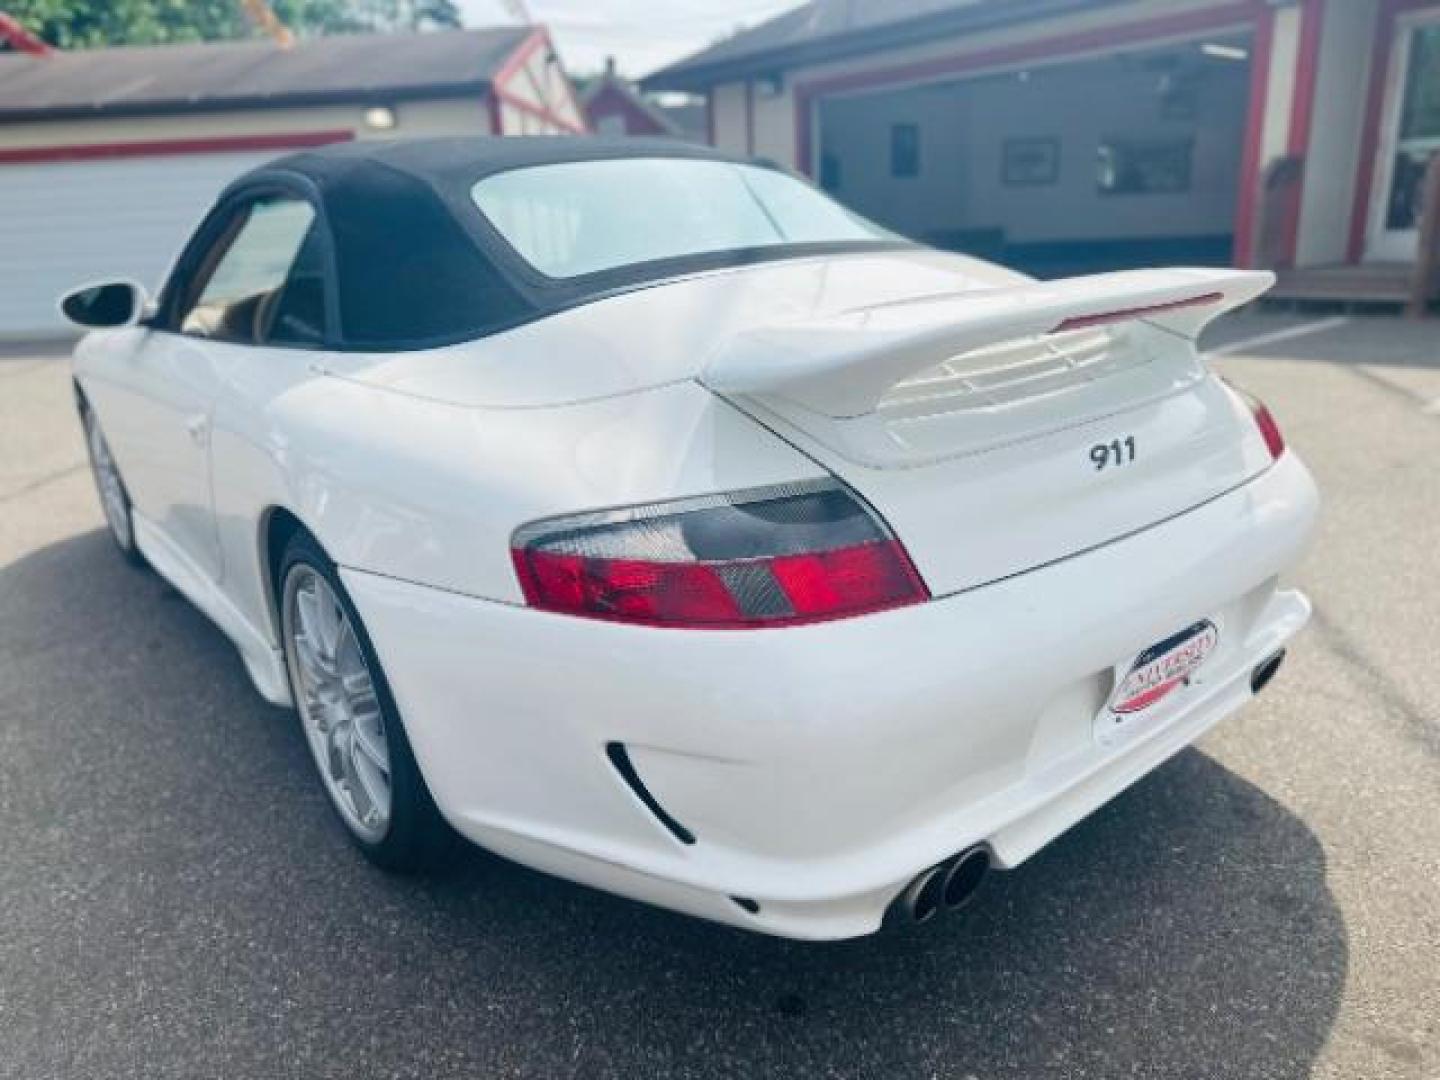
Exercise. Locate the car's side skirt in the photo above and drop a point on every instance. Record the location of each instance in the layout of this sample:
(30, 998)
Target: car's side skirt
(263, 661)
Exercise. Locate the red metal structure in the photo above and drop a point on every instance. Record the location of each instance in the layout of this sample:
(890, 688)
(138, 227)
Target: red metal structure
(19, 38)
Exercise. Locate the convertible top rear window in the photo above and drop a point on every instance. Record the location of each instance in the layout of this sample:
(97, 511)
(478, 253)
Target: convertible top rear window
(585, 217)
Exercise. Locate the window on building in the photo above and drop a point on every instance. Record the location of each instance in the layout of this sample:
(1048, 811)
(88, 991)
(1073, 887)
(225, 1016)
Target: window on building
(904, 150)
(1145, 166)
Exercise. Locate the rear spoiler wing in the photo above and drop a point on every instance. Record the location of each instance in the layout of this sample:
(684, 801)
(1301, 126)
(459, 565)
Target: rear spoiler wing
(842, 365)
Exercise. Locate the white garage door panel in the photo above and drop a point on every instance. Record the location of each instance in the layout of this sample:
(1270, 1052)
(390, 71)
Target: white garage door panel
(67, 223)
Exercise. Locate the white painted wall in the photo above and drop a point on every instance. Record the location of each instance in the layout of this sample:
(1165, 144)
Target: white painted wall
(1334, 159)
(1280, 90)
(775, 124)
(728, 105)
(964, 127)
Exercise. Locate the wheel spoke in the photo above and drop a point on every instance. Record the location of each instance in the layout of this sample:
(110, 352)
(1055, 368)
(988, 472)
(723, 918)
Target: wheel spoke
(330, 619)
(349, 661)
(312, 664)
(371, 746)
(310, 607)
(352, 783)
(376, 787)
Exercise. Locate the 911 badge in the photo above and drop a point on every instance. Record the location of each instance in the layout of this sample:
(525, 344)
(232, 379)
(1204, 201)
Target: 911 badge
(1157, 673)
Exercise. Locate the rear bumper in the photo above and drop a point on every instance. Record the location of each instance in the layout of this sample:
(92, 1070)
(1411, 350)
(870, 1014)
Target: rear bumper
(820, 768)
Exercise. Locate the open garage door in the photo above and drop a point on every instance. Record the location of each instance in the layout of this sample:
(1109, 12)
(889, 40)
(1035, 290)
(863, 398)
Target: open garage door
(1105, 163)
(65, 223)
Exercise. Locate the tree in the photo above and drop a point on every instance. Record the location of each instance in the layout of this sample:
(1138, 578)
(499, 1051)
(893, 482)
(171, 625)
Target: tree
(79, 24)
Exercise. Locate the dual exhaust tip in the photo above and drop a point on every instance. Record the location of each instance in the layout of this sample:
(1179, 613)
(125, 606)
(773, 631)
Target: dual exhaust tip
(947, 887)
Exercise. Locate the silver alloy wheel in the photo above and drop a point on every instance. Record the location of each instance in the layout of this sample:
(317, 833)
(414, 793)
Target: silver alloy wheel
(336, 699)
(107, 480)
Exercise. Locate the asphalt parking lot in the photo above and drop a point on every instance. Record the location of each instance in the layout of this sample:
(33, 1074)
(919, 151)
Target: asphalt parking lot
(175, 900)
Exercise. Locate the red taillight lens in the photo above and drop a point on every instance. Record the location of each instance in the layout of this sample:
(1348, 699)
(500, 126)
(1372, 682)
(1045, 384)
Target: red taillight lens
(1274, 438)
(1260, 412)
(777, 557)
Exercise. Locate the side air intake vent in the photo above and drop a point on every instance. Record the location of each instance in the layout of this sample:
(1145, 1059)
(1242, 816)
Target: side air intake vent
(620, 758)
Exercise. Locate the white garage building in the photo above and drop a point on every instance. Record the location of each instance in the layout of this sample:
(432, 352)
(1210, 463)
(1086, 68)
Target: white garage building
(108, 157)
(1069, 135)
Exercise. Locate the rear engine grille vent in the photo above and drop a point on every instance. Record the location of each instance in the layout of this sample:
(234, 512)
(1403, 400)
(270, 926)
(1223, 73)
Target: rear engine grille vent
(1014, 372)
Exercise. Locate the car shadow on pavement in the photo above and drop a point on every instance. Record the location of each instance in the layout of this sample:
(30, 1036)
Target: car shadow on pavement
(167, 824)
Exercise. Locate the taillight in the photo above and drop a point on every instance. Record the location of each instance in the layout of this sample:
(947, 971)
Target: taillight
(1260, 412)
(1274, 439)
(772, 557)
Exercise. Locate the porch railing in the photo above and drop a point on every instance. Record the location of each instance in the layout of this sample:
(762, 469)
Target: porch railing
(1425, 286)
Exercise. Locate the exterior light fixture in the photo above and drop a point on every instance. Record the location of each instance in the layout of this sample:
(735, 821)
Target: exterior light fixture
(1224, 52)
(380, 118)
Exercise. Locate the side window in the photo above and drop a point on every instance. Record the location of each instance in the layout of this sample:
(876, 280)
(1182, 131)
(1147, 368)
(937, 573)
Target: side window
(299, 315)
(240, 288)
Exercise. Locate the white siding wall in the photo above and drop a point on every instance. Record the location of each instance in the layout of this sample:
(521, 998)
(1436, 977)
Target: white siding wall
(727, 104)
(67, 225)
(775, 124)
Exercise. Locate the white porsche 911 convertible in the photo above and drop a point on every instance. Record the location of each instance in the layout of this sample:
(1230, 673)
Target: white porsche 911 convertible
(654, 521)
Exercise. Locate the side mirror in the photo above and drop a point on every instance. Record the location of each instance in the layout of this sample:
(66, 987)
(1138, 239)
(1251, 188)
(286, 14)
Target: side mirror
(108, 304)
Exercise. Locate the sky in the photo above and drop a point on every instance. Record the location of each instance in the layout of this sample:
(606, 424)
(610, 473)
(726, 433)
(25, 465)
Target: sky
(642, 35)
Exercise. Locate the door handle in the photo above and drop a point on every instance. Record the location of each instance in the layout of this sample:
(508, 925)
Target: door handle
(199, 428)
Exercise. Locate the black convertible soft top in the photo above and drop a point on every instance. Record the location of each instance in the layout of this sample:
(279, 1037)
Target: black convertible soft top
(415, 262)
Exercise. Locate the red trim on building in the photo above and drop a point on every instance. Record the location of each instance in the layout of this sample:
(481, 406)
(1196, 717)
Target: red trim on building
(1251, 161)
(513, 65)
(1302, 112)
(1307, 71)
(540, 112)
(1101, 38)
(516, 60)
(1381, 57)
(20, 38)
(296, 140)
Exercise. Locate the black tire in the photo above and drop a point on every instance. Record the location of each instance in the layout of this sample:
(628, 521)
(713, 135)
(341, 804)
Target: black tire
(119, 516)
(416, 836)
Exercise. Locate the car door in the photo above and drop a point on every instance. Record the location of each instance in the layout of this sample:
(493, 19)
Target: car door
(217, 310)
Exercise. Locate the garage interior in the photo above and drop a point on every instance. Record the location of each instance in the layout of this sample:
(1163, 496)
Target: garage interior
(1106, 163)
